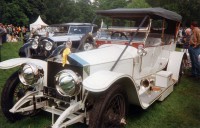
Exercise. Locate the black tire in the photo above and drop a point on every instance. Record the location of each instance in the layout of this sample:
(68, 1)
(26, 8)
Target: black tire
(87, 42)
(121, 35)
(181, 72)
(13, 90)
(109, 109)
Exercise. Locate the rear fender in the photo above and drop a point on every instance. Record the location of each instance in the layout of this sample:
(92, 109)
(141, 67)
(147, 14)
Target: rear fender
(174, 64)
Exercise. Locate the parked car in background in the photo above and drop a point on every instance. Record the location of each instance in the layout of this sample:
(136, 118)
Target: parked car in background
(136, 63)
(55, 38)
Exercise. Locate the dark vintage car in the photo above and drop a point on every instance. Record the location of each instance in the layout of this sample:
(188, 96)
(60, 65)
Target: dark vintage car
(138, 65)
(44, 47)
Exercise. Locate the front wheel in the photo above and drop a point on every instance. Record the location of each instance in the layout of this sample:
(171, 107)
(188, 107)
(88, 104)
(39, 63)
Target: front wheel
(109, 110)
(12, 92)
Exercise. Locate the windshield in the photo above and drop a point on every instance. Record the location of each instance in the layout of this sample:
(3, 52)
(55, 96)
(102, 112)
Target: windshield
(79, 29)
(123, 31)
(58, 29)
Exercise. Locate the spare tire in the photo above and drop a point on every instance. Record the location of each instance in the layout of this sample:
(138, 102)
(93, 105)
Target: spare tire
(87, 42)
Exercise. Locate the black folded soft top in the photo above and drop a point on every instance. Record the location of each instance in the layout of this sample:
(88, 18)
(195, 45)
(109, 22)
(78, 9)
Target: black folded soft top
(129, 13)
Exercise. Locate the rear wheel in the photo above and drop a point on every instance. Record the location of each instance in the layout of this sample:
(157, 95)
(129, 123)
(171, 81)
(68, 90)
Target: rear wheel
(181, 72)
(12, 92)
(109, 110)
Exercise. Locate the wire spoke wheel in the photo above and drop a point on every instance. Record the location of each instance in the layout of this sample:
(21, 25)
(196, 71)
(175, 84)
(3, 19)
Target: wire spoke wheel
(87, 46)
(87, 42)
(114, 112)
(12, 92)
(109, 109)
(19, 92)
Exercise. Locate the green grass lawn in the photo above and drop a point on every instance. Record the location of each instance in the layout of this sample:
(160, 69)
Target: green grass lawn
(180, 110)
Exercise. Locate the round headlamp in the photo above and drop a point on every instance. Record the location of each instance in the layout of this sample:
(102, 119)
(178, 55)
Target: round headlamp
(30, 74)
(35, 42)
(48, 45)
(68, 83)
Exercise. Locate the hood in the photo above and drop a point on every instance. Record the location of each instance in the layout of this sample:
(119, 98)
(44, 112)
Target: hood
(76, 37)
(105, 54)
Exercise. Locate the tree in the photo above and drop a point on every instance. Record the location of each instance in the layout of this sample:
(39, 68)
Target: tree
(62, 11)
(13, 14)
(20, 12)
(2, 5)
(188, 9)
(33, 8)
(86, 11)
(138, 4)
(108, 4)
(24, 12)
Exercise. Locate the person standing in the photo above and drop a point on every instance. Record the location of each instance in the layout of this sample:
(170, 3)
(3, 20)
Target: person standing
(186, 42)
(2, 32)
(194, 50)
(23, 31)
(186, 39)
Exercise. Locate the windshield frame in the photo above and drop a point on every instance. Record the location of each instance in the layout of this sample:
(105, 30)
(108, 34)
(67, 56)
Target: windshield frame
(80, 29)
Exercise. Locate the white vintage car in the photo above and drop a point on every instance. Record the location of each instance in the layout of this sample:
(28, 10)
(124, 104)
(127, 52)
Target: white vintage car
(139, 66)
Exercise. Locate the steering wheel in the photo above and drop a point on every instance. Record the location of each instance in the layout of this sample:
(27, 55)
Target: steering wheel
(118, 35)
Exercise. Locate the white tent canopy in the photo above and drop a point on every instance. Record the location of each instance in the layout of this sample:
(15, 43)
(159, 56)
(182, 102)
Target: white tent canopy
(37, 24)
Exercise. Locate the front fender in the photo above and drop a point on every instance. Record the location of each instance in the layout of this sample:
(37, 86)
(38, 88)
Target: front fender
(18, 61)
(57, 51)
(24, 51)
(101, 80)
